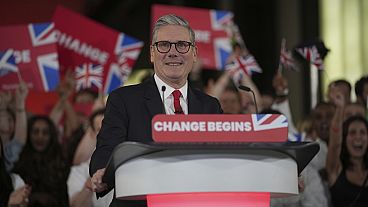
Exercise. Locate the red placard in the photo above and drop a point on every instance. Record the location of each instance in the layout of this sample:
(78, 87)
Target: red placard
(101, 57)
(220, 128)
(34, 48)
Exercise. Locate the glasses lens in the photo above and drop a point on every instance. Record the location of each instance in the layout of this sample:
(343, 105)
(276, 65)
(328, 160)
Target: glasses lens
(163, 46)
(182, 46)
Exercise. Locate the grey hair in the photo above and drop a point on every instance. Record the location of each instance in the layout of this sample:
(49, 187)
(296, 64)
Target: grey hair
(172, 19)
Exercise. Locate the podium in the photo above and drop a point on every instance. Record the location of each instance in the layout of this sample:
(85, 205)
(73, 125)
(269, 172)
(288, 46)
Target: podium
(207, 174)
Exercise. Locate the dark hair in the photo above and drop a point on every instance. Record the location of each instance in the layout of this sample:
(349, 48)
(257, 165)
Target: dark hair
(93, 116)
(341, 82)
(5, 180)
(172, 19)
(359, 86)
(345, 155)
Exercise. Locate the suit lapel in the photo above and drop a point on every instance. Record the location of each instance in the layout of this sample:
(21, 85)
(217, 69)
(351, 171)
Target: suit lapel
(195, 106)
(152, 98)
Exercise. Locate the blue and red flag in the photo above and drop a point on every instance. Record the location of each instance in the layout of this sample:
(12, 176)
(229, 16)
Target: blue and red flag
(312, 55)
(286, 58)
(88, 76)
(127, 51)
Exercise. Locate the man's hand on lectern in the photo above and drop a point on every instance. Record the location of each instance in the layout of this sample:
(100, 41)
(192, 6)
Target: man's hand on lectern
(97, 184)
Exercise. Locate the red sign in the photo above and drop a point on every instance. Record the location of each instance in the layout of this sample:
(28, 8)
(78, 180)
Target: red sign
(102, 57)
(210, 26)
(220, 128)
(33, 47)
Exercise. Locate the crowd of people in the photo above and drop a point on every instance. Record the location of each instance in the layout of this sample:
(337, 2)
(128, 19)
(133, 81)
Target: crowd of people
(44, 159)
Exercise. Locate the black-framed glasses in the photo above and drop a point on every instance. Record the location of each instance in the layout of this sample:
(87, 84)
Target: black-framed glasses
(180, 46)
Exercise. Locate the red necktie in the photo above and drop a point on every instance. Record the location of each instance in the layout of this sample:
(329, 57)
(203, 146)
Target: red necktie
(177, 107)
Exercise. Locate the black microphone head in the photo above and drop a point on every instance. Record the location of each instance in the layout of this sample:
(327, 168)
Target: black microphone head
(245, 88)
(163, 88)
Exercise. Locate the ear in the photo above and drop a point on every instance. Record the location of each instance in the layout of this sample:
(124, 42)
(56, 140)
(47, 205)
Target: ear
(195, 53)
(152, 53)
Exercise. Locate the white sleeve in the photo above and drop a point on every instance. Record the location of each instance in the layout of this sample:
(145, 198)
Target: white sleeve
(314, 192)
(77, 178)
(17, 181)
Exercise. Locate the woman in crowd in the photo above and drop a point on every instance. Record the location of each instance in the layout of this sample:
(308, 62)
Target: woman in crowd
(42, 165)
(348, 175)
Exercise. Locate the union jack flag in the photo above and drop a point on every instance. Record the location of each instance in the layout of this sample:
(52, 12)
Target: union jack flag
(88, 75)
(221, 40)
(286, 59)
(268, 121)
(35, 52)
(42, 34)
(7, 62)
(48, 67)
(243, 65)
(312, 55)
(127, 50)
(219, 19)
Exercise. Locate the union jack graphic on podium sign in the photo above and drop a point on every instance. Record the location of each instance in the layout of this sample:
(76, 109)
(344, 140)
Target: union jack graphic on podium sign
(35, 53)
(88, 75)
(7, 63)
(212, 37)
(268, 121)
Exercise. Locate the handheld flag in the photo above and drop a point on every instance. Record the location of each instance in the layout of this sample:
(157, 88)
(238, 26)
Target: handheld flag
(286, 59)
(312, 55)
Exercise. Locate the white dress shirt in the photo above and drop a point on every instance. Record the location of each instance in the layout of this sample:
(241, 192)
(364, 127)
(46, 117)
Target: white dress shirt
(168, 98)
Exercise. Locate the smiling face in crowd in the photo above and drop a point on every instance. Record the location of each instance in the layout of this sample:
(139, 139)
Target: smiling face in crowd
(357, 139)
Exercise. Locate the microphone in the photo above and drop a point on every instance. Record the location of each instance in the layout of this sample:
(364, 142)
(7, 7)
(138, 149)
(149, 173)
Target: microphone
(247, 89)
(163, 89)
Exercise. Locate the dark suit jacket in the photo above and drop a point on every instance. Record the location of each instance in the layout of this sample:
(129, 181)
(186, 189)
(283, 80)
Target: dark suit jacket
(128, 116)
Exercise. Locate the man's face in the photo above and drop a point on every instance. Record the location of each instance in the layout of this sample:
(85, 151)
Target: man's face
(173, 67)
(322, 117)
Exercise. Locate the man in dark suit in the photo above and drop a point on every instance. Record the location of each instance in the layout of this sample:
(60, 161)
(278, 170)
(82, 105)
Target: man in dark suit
(130, 109)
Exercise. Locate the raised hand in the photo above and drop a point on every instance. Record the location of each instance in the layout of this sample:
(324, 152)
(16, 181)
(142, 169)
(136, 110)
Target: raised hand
(5, 99)
(21, 95)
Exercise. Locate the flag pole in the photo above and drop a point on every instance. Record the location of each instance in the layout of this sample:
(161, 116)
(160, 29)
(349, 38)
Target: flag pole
(283, 46)
(19, 76)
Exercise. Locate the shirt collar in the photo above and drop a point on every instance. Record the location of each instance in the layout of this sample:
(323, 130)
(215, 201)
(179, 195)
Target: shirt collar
(169, 89)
